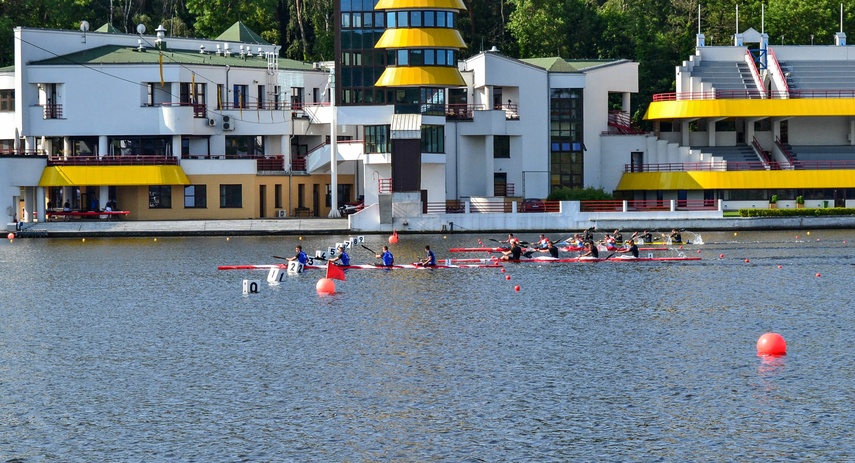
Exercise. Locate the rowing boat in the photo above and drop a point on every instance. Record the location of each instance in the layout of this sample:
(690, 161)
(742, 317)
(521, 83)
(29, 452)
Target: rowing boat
(622, 258)
(477, 264)
(563, 248)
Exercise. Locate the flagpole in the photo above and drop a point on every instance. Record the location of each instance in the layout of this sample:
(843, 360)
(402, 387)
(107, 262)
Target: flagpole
(333, 150)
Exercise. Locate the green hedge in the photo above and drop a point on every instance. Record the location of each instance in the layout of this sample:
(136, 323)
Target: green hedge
(804, 212)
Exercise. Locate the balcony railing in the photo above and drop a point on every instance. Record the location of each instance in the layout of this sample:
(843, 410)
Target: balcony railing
(503, 189)
(272, 163)
(384, 186)
(752, 94)
(125, 160)
(739, 166)
(643, 205)
(52, 111)
(462, 112)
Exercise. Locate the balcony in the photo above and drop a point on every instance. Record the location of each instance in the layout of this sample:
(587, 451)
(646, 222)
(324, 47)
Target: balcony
(52, 111)
(126, 160)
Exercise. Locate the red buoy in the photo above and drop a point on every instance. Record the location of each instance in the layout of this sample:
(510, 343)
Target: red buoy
(503, 270)
(721, 256)
(325, 287)
(517, 288)
(507, 277)
(780, 266)
(771, 344)
(818, 275)
(11, 236)
(746, 261)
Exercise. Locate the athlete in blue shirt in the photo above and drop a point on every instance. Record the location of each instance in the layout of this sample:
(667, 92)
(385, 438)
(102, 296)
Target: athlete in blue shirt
(430, 258)
(386, 256)
(301, 256)
(342, 258)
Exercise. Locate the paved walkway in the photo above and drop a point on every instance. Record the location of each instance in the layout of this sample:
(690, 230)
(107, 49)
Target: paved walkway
(84, 228)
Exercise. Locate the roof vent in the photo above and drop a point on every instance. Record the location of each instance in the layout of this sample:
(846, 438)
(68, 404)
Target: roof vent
(494, 49)
(202, 48)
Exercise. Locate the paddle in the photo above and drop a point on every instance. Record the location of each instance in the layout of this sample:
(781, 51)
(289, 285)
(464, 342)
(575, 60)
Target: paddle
(371, 250)
(610, 255)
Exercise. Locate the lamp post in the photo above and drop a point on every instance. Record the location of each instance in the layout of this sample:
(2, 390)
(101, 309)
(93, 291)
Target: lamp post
(333, 151)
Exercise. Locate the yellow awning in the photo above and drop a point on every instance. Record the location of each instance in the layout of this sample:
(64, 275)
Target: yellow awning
(417, 76)
(806, 107)
(113, 176)
(420, 4)
(421, 38)
(738, 180)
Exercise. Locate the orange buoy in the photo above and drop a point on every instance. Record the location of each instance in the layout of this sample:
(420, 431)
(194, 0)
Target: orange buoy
(11, 236)
(325, 287)
(507, 277)
(699, 251)
(771, 344)
(393, 239)
(517, 288)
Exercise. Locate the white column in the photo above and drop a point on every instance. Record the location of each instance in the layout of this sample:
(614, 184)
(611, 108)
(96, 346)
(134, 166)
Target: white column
(103, 146)
(103, 195)
(333, 151)
(176, 146)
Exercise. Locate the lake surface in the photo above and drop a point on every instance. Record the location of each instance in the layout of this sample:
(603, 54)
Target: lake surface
(141, 350)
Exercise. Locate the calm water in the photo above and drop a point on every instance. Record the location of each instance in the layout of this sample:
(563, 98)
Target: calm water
(141, 350)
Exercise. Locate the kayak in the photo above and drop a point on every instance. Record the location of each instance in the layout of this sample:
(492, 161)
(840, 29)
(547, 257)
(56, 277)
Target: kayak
(479, 264)
(563, 248)
(607, 259)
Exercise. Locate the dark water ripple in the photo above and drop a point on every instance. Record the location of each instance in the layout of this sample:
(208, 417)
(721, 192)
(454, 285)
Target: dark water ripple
(139, 350)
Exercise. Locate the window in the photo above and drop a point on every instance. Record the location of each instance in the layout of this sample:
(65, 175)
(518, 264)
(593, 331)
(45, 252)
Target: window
(433, 139)
(296, 97)
(230, 196)
(241, 96)
(377, 139)
(195, 196)
(160, 197)
(7, 100)
(501, 146)
(277, 196)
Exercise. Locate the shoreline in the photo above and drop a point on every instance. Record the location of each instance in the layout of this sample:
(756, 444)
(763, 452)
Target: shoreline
(339, 226)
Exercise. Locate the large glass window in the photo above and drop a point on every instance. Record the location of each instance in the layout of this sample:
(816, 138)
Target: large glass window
(7, 100)
(160, 197)
(501, 146)
(195, 196)
(231, 196)
(433, 139)
(377, 139)
(566, 141)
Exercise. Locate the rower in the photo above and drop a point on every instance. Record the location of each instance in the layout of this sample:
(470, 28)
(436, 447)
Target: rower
(430, 258)
(646, 237)
(591, 250)
(550, 248)
(543, 242)
(513, 253)
(342, 258)
(675, 236)
(617, 236)
(300, 256)
(386, 256)
(511, 240)
(630, 248)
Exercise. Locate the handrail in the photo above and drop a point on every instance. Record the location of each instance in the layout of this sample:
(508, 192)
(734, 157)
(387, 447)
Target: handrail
(755, 74)
(739, 166)
(780, 71)
(111, 160)
(761, 153)
(786, 151)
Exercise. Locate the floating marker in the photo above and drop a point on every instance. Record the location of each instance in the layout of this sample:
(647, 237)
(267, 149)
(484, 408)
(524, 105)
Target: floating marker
(227, 238)
(780, 266)
(721, 256)
(808, 233)
(83, 240)
(699, 251)
(11, 236)
(250, 286)
(818, 275)
(276, 275)
(325, 287)
(503, 270)
(507, 277)
(771, 344)
(517, 288)
(746, 261)
(734, 233)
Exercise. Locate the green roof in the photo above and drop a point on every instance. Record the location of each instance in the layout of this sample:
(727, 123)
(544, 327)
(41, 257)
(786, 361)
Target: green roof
(7, 69)
(108, 28)
(240, 33)
(114, 54)
(558, 64)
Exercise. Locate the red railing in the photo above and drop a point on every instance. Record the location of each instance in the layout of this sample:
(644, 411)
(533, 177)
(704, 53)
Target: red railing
(755, 74)
(771, 53)
(787, 154)
(764, 155)
(298, 164)
(275, 163)
(740, 166)
(503, 189)
(384, 186)
(127, 160)
(749, 94)
(450, 206)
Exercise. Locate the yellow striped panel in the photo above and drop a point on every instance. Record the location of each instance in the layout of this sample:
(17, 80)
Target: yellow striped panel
(737, 180)
(418, 76)
(420, 4)
(688, 109)
(421, 38)
(113, 176)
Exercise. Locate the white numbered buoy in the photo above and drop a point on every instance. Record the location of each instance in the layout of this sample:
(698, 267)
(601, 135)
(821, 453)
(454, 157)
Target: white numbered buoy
(320, 254)
(275, 275)
(295, 267)
(250, 286)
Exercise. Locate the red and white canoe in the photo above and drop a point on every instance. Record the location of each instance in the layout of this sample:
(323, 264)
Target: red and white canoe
(561, 248)
(267, 267)
(622, 258)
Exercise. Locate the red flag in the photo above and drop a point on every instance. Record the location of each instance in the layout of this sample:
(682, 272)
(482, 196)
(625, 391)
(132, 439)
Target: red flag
(334, 272)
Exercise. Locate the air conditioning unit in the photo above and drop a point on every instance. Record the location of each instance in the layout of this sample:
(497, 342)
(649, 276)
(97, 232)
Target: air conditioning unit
(281, 213)
(228, 123)
(212, 122)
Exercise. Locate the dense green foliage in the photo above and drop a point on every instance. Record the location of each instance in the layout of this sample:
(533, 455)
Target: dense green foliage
(579, 194)
(658, 34)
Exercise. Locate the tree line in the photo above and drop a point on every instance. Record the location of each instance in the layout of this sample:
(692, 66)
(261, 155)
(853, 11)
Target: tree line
(659, 34)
